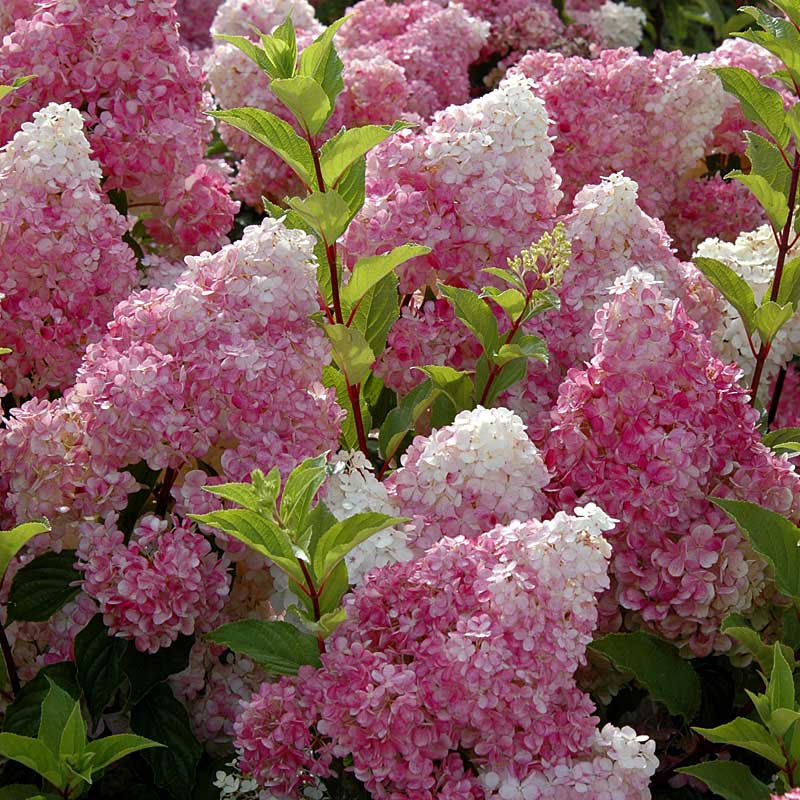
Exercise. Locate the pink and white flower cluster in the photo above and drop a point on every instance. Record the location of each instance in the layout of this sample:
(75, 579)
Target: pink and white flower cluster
(649, 429)
(469, 650)
(64, 265)
(143, 102)
(476, 186)
(165, 582)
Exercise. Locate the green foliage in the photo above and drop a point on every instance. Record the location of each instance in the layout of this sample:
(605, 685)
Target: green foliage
(11, 542)
(61, 752)
(657, 666)
(729, 779)
(771, 535)
(304, 540)
(6, 89)
(333, 173)
(98, 661)
(162, 718)
(43, 586)
(278, 647)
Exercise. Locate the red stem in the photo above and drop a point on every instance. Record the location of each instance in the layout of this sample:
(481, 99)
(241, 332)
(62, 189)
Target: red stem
(497, 369)
(313, 593)
(783, 250)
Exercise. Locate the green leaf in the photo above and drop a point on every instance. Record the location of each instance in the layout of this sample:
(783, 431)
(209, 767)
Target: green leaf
(281, 57)
(145, 670)
(261, 534)
(657, 666)
(475, 313)
(748, 735)
(352, 187)
(253, 52)
(456, 384)
(786, 51)
(774, 439)
(332, 378)
(301, 488)
(729, 779)
(277, 646)
(98, 660)
(339, 153)
(277, 135)
(6, 89)
(526, 347)
(733, 287)
(285, 33)
(377, 311)
(306, 99)
(369, 271)
(782, 719)
(770, 318)
(19, 791)
(773, 201)
(73, 735)
(736, 626)
(789, 289)
(43, 586)
(777, 27)
(789, 7)
(512, 301)
(760, 104)
(11, 542)
(57, 707)
(342, 537)
(321, 62)
(767, 161)
(400, 420)
(33, 754)
(336, 587)
(773, 537)
(326, 212)
(161, 718)
(114, 748)
(351, 352)
(246, 494)
(23, 716)
(780, 690)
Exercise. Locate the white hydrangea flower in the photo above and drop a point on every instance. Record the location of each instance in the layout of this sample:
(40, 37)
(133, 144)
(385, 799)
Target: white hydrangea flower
(753, 256)
(353, 489)
(235, 17)
(618, 24)
(618, 767)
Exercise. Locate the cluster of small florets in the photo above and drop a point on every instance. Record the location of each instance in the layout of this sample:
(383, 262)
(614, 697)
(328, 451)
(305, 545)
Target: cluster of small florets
(471, 648)
(195, 17)
(64, 263)
(651, 427)
(139, 91)
(615, 24)
(753, 256)
(434, 47)
(710, 206)
(213, 686)
(11, 11)
(663, 104)
(228, 357)
(476, 186)
(788, 415)
(165, 582)
(478, 472)
(609, 233)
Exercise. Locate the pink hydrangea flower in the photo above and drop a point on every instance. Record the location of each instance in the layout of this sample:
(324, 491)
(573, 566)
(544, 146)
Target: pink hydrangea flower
(664, 104)
(471, 648)
(789, 407)
(476, 186)
(140, 93)
(653, 425)
(64, 263)
(165, 582)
